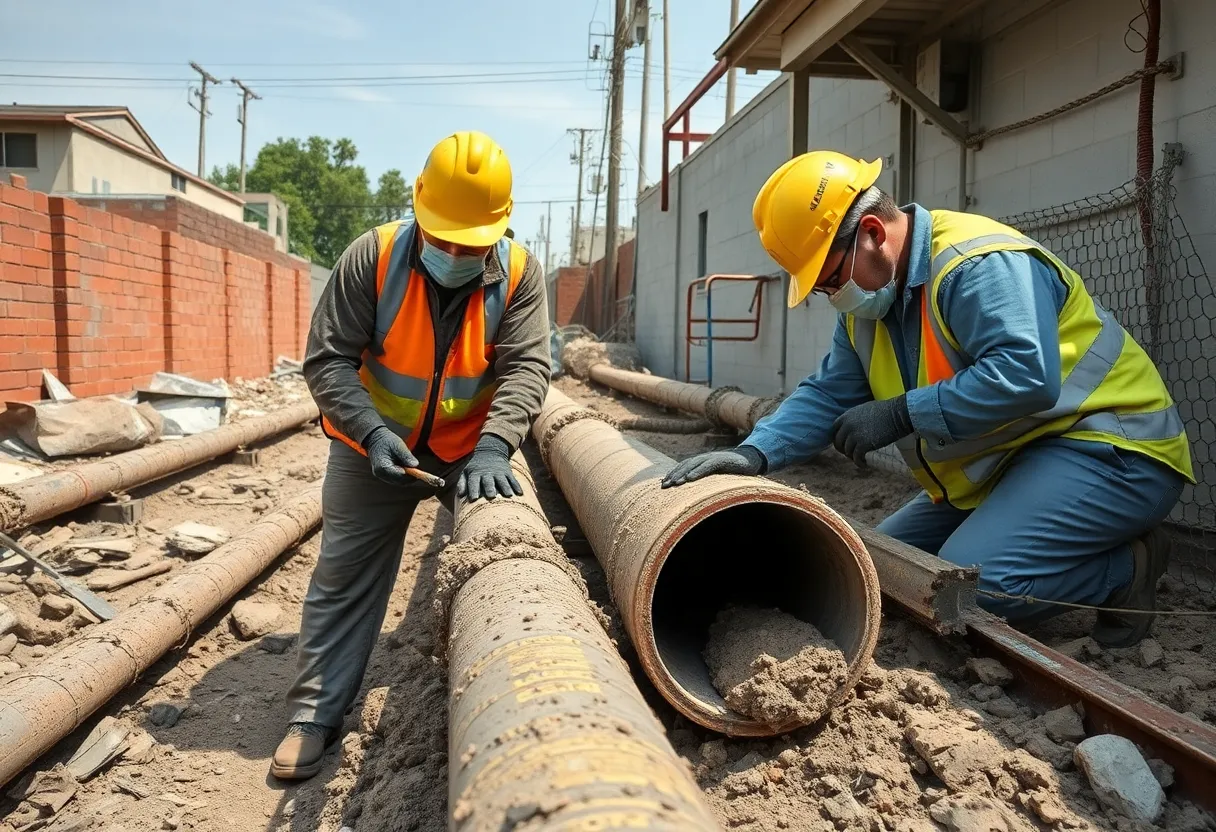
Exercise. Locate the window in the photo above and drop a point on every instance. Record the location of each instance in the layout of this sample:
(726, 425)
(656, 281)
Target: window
(179, 182)
(18, 150)
(702, 242)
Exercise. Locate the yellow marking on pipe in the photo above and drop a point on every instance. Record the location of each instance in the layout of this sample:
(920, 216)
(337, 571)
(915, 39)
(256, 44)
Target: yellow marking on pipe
(548, 688)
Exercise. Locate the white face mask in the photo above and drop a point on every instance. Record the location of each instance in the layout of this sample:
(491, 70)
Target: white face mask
(851, 299)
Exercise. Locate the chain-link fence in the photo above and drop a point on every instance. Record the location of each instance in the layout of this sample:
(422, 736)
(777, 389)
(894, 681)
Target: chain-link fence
(1134, 251)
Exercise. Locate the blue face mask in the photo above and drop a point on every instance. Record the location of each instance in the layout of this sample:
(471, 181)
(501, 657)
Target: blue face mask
(451, 270)
(851, 299)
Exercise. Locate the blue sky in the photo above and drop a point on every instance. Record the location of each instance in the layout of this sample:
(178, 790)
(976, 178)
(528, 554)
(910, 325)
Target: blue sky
(392, 121)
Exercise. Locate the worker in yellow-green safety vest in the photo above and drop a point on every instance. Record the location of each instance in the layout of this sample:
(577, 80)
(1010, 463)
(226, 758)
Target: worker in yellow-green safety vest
(1046, 442)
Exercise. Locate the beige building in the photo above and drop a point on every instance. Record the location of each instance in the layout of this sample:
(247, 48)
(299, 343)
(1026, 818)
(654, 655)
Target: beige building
(99, 150)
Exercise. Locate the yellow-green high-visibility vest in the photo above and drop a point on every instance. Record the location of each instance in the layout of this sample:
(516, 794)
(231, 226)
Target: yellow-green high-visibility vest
(1109, 389)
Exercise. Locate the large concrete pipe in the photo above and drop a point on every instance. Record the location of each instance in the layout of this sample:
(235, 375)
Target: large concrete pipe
(47, 701)
(675, 558)
(40, 498)
(721, 405)
(546, 727)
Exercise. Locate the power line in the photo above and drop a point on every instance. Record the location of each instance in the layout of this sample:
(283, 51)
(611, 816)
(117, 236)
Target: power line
(243, 118)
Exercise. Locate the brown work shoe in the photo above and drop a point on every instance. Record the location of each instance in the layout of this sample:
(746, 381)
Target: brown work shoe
(1150, 557)
(298, 756)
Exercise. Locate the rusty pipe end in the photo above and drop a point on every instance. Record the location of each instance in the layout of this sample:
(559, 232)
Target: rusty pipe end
(749, 542)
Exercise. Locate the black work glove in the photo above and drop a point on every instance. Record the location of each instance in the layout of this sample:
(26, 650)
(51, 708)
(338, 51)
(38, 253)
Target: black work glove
(488, 472)
(743, 460)
(871, 426)
(389, 456)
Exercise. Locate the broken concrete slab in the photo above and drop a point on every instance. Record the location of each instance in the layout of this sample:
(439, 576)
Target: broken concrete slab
(252, 619)
(50, 791)
(1120, 777)
(8, 620)
(1150, 653)
(56, 390)
(196, 538)
(105, 743)
(7, 643)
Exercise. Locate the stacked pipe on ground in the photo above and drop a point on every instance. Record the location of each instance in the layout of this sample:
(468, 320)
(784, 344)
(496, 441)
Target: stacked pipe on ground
(720, 405)
(44, 703)
(546, 728)
(41, 498)
(680, 560)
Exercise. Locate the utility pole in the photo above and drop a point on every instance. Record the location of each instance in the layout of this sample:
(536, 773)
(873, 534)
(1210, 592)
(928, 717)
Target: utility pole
(645, 15)
(730, 76)
(582, 132)
(666, 63)
(615, 124)
(548, 233)
(202, 95)
(243, 118)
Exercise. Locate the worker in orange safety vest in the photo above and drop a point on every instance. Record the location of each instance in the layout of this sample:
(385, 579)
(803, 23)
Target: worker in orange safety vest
(428, 351)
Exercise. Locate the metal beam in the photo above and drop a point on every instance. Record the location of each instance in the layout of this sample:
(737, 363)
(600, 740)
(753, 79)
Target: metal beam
(820, 27)
(904, 88)
(800, 113)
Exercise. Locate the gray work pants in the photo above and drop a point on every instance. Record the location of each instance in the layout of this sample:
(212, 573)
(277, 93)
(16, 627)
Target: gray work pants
(363, 532)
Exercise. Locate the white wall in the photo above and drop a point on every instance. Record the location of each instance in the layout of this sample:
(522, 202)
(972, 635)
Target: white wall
(52, 173)
(128, 173)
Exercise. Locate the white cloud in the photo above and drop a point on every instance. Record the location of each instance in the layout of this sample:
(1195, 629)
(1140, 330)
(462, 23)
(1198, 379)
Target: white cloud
(362, 94)
(329, 21)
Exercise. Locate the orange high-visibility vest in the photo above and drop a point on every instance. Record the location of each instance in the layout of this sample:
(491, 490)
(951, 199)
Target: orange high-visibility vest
(399, 367)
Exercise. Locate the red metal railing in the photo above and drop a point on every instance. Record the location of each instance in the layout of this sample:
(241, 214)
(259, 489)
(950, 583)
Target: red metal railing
(683, 115)
(756, 308)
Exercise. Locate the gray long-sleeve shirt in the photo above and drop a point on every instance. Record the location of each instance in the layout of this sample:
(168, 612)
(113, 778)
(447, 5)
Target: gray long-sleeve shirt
(344, 324)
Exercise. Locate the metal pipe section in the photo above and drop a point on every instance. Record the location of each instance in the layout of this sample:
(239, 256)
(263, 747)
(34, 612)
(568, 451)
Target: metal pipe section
(46, 702)
(674, 558)
(722, 405)
(44, 497)
(545, 724)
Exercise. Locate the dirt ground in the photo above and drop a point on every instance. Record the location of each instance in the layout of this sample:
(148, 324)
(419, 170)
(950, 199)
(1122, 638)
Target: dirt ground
(930, 741)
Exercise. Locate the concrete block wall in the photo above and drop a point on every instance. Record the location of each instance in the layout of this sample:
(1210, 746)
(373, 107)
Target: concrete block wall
(105, 302)
(1027, 65)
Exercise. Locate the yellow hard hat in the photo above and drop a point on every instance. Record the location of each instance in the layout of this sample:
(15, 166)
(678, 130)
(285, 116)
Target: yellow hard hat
(799, 210)
(463, 194)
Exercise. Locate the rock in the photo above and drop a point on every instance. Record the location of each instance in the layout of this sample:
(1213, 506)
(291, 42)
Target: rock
(844, 810)
(1047, 807)
(55, 608)
(196, 538)
(989, 672)
(713, 753)
(252, 619)
(1040, 746)
(1120, 777)
(1163, 771)
(957, 757)
(277, 644)
(8, 620)
(1150, 652)
(7, 643)
(164, 714)
(8, 667)
(1080, 649)
(973, 813)
(1064, 725)
(50, 791)
(985, 693)
(1031, 773)
(33, 630)
(41, 585)
(1003, 708)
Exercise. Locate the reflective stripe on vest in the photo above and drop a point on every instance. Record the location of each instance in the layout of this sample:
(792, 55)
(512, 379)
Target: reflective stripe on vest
(399, 366)
(1132, 411)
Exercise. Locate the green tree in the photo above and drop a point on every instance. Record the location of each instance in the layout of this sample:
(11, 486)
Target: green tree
(393, 199)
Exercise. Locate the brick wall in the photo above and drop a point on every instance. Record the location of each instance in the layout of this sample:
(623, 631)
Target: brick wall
(197, 223)
(578, 299)
(105, 301)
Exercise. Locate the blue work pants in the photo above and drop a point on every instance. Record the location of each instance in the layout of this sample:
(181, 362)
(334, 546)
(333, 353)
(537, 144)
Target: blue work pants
(1057, 526)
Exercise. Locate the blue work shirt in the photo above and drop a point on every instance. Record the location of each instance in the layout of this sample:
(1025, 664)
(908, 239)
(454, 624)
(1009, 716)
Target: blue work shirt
(1004, 310)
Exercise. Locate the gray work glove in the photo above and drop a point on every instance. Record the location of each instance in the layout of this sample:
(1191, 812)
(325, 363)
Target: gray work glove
(870, 426)
(488, 472)
(389, 456)
(743, 460)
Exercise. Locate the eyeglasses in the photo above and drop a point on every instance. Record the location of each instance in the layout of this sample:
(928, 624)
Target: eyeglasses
(832, 281)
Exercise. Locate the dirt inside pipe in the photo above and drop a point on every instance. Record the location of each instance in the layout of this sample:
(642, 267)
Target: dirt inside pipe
(12, 510)
(773, 667)
(458, 562)
(581, 354)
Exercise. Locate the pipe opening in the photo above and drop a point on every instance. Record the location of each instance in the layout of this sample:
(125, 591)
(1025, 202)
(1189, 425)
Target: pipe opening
(761, 554)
